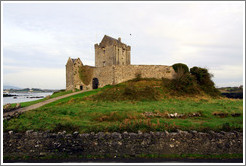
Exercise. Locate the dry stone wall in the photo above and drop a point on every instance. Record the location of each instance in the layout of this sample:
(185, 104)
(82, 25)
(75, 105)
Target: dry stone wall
(37, 144)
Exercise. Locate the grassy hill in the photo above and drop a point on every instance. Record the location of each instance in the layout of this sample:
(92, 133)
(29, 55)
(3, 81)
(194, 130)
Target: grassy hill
(150, 89)
(139, 104)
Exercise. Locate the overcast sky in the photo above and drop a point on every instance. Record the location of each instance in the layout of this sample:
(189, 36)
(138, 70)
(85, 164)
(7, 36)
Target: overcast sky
(38, 38)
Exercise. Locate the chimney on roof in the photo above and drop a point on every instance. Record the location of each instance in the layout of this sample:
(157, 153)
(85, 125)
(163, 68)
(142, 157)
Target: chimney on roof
(119, 39)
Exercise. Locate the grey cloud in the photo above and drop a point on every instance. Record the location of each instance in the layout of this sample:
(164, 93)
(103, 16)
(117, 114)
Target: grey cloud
(211, 33)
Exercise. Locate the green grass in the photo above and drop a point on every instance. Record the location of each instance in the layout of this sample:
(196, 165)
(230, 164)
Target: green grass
(77, 113)
(114, 108)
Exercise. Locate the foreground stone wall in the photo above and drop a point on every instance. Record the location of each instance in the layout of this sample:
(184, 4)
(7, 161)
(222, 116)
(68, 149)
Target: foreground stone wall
(43, 143)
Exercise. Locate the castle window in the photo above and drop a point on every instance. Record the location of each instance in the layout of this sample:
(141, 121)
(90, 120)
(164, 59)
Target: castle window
(104, 63)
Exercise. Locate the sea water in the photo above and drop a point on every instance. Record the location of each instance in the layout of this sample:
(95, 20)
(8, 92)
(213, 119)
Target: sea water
(24, 97)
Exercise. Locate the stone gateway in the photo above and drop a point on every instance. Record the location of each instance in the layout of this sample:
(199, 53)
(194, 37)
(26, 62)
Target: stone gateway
(112, 66)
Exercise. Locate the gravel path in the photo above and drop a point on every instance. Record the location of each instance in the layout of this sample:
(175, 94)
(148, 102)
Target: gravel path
(34, 106)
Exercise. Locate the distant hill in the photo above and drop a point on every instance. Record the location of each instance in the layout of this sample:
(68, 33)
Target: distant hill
(10, 87)
(14, 89)
(231, 89)
(232, 92)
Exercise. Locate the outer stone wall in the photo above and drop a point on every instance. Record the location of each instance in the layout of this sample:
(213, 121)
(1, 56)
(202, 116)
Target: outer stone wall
(124, 73)
(37, 144)
(117, 74)
(110, 75)
(104, 75)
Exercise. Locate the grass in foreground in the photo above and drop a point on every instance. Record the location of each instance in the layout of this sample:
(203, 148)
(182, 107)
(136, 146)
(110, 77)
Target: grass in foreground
(78, 114)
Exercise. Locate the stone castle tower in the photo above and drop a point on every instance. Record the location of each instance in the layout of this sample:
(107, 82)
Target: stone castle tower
(112, 52)
(72, 74)
(112, 66)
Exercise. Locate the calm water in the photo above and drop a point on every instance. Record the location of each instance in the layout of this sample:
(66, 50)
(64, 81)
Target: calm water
(23, 97)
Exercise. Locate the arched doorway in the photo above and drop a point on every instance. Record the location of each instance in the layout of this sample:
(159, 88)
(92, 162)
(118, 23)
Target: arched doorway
(81, 87)
(95, 83)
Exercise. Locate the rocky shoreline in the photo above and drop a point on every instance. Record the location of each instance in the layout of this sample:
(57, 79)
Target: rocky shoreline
(9, 95)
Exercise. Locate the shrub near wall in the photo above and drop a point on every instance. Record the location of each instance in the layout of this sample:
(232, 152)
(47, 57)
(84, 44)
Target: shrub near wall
(184, 82)
(180, 67)
(204, 79)
(193, 81)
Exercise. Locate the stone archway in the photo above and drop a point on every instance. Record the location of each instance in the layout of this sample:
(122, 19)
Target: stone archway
(95, 83)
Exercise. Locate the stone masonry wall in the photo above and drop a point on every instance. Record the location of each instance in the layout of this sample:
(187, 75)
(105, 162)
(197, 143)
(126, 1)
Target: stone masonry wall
(104, 75)
(37, 144)
(112, 55)
(117, 74)
(69, 76)
(124, 73)
(104, 56)
(110, 75)
(77, 80)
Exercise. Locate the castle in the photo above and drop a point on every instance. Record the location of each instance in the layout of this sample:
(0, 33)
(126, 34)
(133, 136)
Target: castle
(112, 66)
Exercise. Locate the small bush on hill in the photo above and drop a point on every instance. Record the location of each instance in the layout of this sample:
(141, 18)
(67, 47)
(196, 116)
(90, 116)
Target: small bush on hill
(202, 75)
(203, 78)
(183, 84)
(180, 66)
(138, 76)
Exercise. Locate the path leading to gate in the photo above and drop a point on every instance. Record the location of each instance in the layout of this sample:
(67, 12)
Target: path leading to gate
(34, 106)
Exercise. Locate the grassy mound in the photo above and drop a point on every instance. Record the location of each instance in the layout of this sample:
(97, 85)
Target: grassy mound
(143, 89)
(196, 82)
(150, 89)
